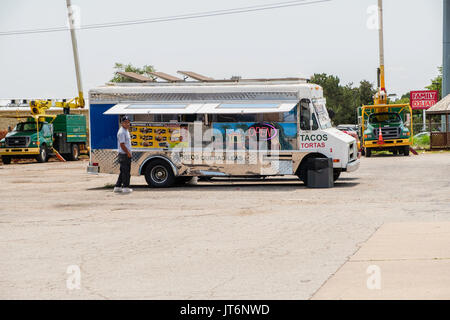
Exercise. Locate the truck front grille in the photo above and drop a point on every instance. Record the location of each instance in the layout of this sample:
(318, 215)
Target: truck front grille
(17, 141)
(388, 133)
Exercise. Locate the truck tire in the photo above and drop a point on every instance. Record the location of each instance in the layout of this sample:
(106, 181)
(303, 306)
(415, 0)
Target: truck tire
(6, 159)
(406, 151)
(336, 174)
(74, 152)
(303, 176)
(159, 174)
(368, 153)
(43, 154)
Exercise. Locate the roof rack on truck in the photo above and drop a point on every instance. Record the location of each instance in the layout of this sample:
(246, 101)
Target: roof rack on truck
(197, 78)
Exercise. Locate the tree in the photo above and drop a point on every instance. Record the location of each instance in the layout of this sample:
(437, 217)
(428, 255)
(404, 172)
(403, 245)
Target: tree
(344, 100)
(145, 70)
(366, 92)
(436, 83)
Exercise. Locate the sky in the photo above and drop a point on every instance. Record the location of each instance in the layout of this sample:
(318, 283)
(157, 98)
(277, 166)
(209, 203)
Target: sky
(331, 37)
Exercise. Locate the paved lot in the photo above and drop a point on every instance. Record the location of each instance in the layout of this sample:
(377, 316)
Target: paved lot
(403, 260)
(255, 240)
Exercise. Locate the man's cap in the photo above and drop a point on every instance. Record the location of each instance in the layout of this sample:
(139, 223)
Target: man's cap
(125, 118)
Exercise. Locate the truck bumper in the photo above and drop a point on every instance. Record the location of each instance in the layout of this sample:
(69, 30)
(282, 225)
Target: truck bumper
(18, 151)
(387, 143)
(93, 169)
(353, 166)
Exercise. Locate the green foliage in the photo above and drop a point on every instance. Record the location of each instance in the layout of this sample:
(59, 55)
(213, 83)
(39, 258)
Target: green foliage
(421, 141)
(344, 100)
(403, 99)
(436, 83)
(145, 71)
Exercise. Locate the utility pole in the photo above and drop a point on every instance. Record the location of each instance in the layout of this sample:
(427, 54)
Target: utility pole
(75, 52)
(381, 43)
(446, 53)
(381, 96)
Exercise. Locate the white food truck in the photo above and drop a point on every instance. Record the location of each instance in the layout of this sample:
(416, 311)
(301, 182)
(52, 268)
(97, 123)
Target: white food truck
(222, 128)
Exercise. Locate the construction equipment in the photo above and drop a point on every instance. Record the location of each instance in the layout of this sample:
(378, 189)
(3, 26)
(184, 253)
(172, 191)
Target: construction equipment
(38, 107)
(384, 126)
(44, 134)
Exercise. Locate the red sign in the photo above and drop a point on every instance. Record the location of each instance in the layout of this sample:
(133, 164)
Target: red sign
(423, 99)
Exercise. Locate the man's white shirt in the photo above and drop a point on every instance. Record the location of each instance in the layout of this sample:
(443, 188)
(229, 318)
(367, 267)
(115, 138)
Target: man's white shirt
(123, 136)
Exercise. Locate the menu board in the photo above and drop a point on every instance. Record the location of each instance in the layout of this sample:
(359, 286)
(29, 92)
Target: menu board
(154, 136)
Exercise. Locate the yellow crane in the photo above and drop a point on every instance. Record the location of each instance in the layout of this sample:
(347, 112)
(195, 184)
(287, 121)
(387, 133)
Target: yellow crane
(67, 142)
(385, 126)
(39, 107)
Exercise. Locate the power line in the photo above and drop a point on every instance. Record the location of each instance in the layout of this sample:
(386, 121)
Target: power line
(172, 18)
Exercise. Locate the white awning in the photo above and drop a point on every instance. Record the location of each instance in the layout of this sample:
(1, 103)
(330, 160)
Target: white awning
(247, 107)
(199, 108)
(157, 108)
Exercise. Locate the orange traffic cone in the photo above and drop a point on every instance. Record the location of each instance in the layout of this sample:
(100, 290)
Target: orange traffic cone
(60, 158)
(380, 137)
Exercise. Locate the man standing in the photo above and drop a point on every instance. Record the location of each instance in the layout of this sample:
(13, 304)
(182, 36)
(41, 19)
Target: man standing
(124, 148)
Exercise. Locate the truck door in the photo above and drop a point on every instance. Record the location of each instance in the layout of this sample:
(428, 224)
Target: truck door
(306, 115)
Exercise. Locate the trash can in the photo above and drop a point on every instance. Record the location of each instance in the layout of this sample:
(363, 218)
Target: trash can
(320, 173)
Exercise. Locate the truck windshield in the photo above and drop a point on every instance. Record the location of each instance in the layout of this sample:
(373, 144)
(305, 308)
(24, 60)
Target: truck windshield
(27, 126)
(322, 113)
(384, 117)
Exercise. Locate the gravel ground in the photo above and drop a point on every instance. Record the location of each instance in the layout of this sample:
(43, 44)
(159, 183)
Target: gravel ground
(223, 240)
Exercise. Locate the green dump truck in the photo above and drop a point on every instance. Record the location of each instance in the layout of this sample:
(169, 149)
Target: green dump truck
(42, 138)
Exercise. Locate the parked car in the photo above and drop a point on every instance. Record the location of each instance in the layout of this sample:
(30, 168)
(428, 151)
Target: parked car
(348, 129)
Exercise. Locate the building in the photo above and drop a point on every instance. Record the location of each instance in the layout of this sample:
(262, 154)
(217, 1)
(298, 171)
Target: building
(438, 117)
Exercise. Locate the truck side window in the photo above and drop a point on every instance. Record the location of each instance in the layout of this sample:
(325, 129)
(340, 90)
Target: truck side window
(305, 116)
(46, 131)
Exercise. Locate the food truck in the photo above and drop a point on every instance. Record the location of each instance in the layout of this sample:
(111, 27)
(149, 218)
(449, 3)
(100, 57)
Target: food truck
(235, 128)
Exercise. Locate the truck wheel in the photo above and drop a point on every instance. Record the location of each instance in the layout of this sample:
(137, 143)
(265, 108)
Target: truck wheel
(368, 153)
(336, 174)
(43, 154)
(159, 174)
(75, 152)
(395, 152)
(406, 151)
(6, 160)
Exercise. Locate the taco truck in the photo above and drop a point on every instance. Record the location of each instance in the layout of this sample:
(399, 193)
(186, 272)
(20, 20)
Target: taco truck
(217, 128)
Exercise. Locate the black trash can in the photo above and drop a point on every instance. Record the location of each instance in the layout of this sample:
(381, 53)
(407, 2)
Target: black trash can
(320, 173)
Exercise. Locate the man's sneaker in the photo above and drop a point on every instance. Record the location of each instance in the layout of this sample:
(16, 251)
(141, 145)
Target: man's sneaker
(117, 189)
(127, 190)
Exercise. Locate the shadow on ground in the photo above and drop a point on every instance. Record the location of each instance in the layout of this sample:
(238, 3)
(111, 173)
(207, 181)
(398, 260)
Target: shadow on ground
(236, 184)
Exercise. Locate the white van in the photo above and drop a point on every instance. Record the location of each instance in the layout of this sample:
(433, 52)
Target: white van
(242, 128)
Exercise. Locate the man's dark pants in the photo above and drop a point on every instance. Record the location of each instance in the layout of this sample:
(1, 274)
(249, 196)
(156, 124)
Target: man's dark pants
(125, 167)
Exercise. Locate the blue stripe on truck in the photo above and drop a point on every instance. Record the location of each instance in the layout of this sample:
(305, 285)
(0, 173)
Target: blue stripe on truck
(103, 127)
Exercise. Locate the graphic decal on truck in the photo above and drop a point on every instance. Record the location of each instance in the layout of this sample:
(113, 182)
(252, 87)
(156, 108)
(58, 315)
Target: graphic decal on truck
(308, 141)
(156, 135)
